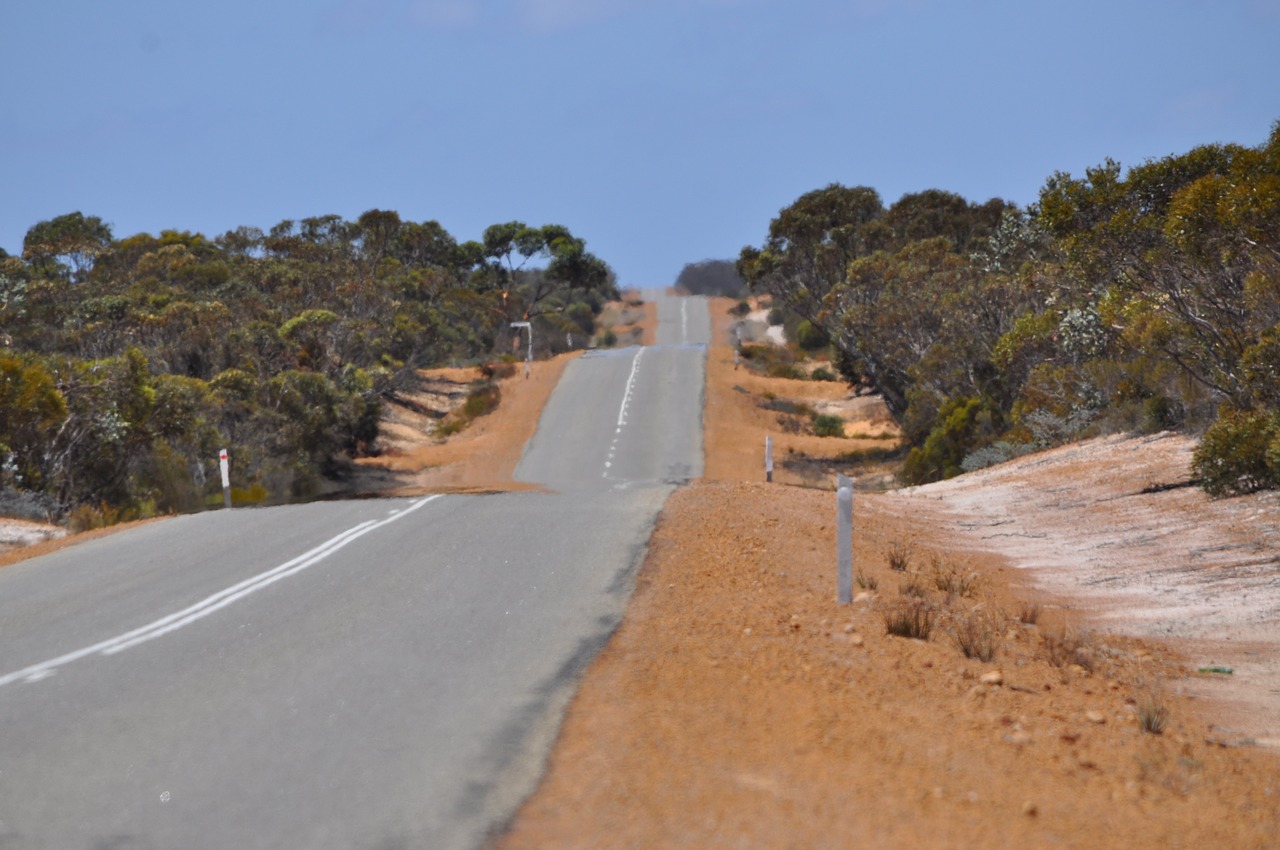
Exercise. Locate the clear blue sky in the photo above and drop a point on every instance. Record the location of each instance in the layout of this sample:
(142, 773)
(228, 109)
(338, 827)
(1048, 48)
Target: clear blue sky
(662, 131)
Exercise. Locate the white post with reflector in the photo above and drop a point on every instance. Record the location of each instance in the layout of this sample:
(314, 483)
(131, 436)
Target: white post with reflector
(225, 467)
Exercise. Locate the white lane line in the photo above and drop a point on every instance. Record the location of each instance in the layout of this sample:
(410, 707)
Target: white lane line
(622, 410)
(207, 606)
(631, 382)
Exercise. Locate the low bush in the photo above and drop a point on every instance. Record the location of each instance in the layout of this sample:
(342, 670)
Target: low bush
(1240, 453)
(828, 425)
(482, 401)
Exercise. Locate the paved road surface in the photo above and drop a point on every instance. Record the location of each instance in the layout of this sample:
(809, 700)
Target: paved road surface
(376, 674)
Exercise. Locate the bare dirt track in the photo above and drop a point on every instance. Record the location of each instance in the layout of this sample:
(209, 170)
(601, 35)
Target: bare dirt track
(739, 706)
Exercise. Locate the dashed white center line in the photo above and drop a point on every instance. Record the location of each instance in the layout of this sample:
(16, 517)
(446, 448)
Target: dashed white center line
(622, 411)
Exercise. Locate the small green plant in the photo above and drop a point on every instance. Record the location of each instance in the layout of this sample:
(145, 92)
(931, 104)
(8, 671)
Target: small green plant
(607, 339)
(899, 558)
(977, 634)
(910, 618)
(828, 425)
(822, 373)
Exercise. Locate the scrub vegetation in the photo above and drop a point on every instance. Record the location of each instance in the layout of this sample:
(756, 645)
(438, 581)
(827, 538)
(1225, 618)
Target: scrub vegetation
(1140, 300)
(126, 364)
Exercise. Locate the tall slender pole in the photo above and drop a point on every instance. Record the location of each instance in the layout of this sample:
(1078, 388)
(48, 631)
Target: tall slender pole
(844, 539)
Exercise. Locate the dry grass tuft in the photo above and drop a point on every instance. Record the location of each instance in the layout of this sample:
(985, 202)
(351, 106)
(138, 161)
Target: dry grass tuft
(1067, 646)
(977, 634)
(1153, 714)
(953, 582)
(865, 581)
(899, 558)
(913, 585)
(910, 618)
(1029, 613)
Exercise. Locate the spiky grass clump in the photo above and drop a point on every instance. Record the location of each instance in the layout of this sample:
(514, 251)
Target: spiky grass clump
(977, 634)
(899, 558)
(910, 617)
(951, 581)
(1068, 646)
(1153, 714)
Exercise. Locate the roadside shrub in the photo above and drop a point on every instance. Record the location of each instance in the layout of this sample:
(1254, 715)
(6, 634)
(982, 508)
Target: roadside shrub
(776, 316)
(865, 581)
(481, 401)
(1029, 613)
(1161, 413)
(740, 309)
(1233, 457)
(828, 425)
(771, 360)
(810, 337)
(822, 373)
(899, 557)
(961, 426)
(498, 370)
(607, 339)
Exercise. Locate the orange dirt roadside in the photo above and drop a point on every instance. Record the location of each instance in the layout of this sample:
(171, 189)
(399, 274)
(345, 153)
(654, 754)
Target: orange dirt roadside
(738, 705)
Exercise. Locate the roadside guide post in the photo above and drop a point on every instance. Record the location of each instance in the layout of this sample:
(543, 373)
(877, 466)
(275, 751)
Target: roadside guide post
(768, 459)
(844, 539)
(224, 467)
(529, 355)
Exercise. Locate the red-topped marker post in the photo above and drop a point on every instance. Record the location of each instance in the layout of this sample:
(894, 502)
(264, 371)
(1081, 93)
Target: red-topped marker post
(225, 467)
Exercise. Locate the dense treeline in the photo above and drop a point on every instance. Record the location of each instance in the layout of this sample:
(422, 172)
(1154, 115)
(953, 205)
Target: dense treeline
(1145, 301)
(126, 364)
(712, 277)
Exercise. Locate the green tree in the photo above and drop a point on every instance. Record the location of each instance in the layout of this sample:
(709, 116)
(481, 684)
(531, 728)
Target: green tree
(72, 242)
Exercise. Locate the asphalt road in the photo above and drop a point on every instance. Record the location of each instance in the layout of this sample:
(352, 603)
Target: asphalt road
(375, 674)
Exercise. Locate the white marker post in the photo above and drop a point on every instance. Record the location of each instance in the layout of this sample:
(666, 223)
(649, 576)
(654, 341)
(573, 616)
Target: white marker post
(225, 468)
(768, 459)
(844, 540)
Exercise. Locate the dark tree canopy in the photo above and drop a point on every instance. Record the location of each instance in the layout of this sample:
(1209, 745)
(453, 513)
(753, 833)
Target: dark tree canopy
(712, 277)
